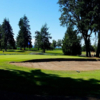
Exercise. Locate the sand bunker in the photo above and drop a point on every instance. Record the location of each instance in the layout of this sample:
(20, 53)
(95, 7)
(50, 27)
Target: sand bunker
(63, 65)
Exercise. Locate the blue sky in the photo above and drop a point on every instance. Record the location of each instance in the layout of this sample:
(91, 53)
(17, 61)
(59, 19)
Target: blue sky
(38, 12)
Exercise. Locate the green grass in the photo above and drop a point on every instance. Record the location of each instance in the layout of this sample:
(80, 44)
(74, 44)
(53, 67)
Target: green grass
(56, 52)
(5, 59)
(46, 82)
(23, 52)
(18, 52)
(26, 52)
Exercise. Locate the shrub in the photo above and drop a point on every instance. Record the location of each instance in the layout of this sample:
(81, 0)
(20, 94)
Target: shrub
(71, 42)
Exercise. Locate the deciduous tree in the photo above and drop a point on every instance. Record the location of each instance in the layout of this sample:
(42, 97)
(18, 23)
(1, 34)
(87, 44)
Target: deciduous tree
(82, 14)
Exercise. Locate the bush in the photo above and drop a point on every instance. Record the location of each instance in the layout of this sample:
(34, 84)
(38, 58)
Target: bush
(71, 43)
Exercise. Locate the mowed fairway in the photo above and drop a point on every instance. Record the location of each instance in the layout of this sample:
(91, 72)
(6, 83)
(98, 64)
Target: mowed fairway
(41, 82)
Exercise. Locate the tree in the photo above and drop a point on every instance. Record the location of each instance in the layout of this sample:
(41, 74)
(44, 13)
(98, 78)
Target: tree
(71, 42)
(37, 39)
(54, 44)
(24, 35)
(45, 36)
(59, 42)
(98, 46)
(42, 38)
(82, 14)
(7, 37)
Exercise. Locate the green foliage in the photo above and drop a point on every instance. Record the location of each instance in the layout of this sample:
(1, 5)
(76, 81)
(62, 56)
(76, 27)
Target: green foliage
(42, 38)
(84, 14)
(37, 43)
(24, 35)
(7, 38)
(71, 42)
(45, 36)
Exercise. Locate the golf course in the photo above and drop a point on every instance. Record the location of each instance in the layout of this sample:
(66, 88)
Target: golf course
(50, 50)
(24, 81)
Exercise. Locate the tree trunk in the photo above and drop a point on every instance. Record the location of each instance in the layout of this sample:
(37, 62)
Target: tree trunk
(89, 47)
(98, 47)
(89, 53)
(43, 50)
(87, 43)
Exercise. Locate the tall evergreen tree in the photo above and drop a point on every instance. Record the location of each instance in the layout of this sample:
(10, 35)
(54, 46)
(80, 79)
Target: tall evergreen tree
(24, 35)
(71, 42)
(7, 35)
(42, 38)
(54, 43)
(37, 39)
(45, 36)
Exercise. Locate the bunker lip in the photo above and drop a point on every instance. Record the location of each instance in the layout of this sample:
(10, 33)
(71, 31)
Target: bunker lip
(59, 59)
(62, 64)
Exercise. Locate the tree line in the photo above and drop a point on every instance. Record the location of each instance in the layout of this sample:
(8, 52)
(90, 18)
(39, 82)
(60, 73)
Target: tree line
(7, 36)
(24, 39)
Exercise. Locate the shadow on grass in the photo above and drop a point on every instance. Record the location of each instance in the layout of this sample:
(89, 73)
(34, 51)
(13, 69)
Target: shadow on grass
(38, 83)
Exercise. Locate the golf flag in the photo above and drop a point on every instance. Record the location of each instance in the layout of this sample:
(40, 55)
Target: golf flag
(28, 43)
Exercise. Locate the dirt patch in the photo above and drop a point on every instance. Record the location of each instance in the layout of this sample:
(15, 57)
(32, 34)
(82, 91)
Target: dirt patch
(63, 65)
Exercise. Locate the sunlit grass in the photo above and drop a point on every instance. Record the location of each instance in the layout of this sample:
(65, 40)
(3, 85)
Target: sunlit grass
(25, 55)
